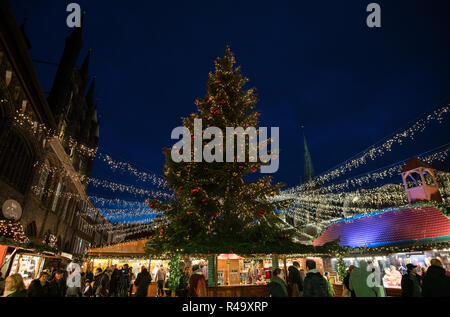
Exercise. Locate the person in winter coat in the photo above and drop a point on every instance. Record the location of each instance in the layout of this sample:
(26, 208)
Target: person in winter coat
(87, 290)
(347, 280)
(359, 281)
(39, 287)
(125, 281)
(14, 286)
(142, 282)
(89, 275)
(197, 283)
(331, 292)
(411, 282)
(57, 286)
(277, 286)
(97, 279)
(436, 283)
(114, 283)
(315, 285)
(295, 282)
(101, 283)
(160, 279)
(182, 288)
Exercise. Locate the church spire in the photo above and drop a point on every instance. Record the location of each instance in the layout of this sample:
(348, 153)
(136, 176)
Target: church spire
(60, 92)
(308, 167)
(84, 70)
(90, 95)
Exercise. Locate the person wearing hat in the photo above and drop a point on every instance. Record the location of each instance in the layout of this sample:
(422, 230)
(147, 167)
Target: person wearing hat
(435, 282)
(411, 282)
(39, 287)
(57, 286)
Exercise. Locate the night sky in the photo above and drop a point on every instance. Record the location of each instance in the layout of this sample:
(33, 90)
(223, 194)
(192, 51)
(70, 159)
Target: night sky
(314, 63)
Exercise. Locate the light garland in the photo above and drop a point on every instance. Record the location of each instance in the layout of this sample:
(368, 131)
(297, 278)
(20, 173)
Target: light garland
(13, 230)
(40, 129)
(124, 166)
(377, 175)
(106, 184)
(378, 151)
(114, 187)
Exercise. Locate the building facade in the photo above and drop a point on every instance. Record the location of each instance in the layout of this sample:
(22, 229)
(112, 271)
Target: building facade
(46, 145)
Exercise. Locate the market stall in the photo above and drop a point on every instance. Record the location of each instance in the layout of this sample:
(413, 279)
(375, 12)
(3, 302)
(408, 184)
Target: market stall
(391, 239)
(131, 253)
(30, 264)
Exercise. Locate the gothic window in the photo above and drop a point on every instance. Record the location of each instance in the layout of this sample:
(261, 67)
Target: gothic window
(59, 243)
(64, 211)
(45, 171)
(31, 230)
(67, 246)
(16, 160)
(56, 197)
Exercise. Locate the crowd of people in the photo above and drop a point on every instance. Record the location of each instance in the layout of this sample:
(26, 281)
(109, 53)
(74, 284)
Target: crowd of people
(299, 283)
(432, 282)
(111, 282)
(115, 282)
(360, 282)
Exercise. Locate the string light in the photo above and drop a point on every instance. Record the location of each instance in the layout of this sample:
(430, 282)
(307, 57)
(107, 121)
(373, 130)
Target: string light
(377, 175)
(40, 129)
(378, 151)
(13, 230)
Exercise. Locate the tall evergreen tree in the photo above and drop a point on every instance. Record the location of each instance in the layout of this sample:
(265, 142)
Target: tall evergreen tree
(216, 203)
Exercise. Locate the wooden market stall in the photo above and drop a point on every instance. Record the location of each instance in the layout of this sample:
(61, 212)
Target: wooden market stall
(238, 276)
(28, 262)
(131, 253)
(391, 239)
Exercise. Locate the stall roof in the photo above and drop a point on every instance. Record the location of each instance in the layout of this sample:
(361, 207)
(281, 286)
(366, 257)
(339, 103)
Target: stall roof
(407, 225)
(131, 248)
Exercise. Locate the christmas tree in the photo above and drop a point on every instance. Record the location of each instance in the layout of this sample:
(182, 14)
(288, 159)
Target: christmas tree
(215, 205)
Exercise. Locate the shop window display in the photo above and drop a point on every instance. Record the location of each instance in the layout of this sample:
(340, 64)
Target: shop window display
(28, 266)
(393, 266)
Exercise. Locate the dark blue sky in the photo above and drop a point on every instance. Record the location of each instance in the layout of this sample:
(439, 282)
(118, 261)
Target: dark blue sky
(313, 62)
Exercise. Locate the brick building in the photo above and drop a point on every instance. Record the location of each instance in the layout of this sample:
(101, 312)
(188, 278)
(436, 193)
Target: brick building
(46, 144)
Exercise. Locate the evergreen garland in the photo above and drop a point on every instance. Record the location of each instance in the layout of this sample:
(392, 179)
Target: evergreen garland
(174, 270)
(341, 269)
(13, 230)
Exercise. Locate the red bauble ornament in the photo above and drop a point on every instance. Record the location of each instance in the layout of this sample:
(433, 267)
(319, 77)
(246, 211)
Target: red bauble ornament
(258, 114)
(161, 230)
(207, 101)
(222, 101)
(180, 188)
(204, 200)
(150, 205)
(262, 212)
(254, 169)
(241, 167)
(219, 81)
(194, 191)
(217, 112)
(190, 212)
